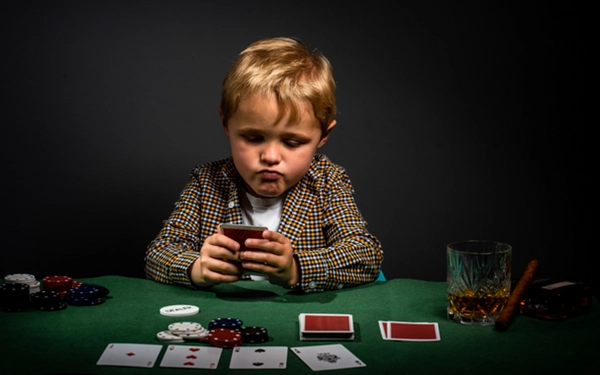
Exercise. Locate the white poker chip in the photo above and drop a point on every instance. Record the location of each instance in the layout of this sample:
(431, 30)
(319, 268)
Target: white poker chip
(194, 335)
(23, 278)
(185, 327)
(167, 336)
(179, 310)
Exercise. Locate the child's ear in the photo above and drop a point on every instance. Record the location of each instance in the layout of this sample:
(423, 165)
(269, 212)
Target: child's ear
(223, 122)
(327, 133)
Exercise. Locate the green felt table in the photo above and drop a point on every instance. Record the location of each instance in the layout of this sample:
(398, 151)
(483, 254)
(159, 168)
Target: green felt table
(72, 340)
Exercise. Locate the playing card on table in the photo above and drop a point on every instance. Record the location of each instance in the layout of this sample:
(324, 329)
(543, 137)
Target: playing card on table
(256, 357)
(129, 355)
(409, 331)
(327, 357)
(182, 356)
(326, 327)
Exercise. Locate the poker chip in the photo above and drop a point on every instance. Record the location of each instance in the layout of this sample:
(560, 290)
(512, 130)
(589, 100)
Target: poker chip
(47, 300)
(23, 278)
(14, 297)
(102, 291)
(185, 327)
(183, 331)
(194, 335)
(254, 335)
(22, 291)
(167, 336)
(224, 338)
(76, 284)
(57, 283)
(85, 295)
(179, 310)
(231, 323)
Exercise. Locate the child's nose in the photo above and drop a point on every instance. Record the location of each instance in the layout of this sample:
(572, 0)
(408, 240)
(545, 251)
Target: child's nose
(270, 154)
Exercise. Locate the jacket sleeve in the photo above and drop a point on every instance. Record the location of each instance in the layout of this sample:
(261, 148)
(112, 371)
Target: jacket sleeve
(351, 254)
(174, 250)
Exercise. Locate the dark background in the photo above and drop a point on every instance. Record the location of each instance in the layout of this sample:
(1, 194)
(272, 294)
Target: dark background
(456, 121)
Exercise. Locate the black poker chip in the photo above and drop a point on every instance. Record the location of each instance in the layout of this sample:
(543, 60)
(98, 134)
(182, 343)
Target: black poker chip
(14, 297)
(254, 335)
(47, 300)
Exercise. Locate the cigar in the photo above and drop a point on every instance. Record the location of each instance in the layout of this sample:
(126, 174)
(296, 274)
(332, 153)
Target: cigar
(517, 295)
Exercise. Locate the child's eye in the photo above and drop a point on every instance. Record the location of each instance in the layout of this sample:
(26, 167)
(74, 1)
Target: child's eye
(292, 143)
(253, 138)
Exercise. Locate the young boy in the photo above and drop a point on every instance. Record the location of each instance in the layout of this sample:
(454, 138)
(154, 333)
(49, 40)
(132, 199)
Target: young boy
(277, 108)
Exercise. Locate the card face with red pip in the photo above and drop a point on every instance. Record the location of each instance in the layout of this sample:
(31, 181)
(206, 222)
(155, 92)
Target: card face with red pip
(240, 233)
(129, 355)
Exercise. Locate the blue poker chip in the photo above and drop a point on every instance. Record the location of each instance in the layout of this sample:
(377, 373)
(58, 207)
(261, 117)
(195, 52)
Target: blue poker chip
(85, 295)
(83, 291)
(85, 301)
(230, 323)
(103, 291)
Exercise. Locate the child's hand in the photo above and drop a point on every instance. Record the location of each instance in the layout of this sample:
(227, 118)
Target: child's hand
(276, 259)
(218, 262)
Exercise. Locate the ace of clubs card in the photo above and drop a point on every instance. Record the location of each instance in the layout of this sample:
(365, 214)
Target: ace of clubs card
(327, 357)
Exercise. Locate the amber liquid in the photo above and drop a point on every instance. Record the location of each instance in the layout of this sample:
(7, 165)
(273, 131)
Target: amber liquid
(477, 307)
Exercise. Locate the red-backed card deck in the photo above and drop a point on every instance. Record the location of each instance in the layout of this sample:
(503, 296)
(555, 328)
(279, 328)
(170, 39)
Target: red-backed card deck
(326, 327)
(409, 331)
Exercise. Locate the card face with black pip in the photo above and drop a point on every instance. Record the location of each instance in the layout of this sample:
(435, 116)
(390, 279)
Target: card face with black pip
(256, 357)
(327, 357)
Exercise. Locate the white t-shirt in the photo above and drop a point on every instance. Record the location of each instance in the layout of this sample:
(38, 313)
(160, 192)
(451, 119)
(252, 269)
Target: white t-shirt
(264, 212)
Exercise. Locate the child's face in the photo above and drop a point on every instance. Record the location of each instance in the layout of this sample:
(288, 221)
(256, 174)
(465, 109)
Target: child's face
(272, 157)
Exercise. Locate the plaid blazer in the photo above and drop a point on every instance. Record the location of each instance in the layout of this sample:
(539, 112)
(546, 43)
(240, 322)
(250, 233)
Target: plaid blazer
(320, 218)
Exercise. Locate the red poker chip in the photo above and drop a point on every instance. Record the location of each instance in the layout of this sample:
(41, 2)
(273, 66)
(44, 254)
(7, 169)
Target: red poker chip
(57, 283)
(224, 337)
(56, 279)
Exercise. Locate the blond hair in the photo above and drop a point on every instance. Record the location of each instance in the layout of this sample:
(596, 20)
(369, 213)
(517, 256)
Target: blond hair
(286, 68)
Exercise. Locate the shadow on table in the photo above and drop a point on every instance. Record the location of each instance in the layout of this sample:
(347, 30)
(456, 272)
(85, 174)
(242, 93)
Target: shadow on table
(235, 292)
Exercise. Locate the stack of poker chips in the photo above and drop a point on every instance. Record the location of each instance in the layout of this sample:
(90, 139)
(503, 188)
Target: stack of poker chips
(47, 300)
(22, 291)
(24, 278)
(14, 297)
(231, 323)
(224, 338)
(254, 335)
(86, 294)
(182, 331)
(224, 332)
(58, 284)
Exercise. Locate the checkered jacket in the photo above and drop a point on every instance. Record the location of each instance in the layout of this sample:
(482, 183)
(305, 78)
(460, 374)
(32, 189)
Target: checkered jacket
(320, 218)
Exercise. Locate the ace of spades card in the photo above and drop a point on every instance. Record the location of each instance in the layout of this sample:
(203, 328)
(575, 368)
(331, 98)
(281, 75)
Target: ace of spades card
(255, 357)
